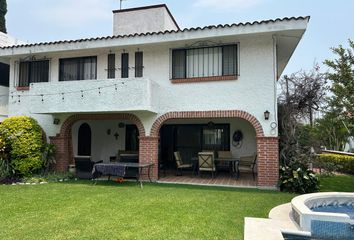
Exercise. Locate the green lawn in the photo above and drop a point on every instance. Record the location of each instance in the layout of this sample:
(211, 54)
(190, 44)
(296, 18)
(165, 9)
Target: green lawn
(339, 183)
(80, 210)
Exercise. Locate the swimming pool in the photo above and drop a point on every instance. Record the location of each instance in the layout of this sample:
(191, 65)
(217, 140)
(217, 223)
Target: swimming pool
(326, 215)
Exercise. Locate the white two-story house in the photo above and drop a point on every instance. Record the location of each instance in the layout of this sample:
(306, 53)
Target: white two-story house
(155, 88)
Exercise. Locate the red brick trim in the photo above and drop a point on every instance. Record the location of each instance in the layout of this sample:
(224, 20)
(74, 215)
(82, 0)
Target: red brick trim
(25, 88)
(207, 114)
(66, 126)
(203, 79)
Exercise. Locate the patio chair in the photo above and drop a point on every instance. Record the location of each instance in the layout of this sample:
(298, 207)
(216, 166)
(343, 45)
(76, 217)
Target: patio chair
(248, 164)
(223, 164)
(206, 163)
(180, 165)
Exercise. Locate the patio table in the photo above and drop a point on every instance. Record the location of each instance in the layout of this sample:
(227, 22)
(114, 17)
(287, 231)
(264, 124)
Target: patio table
(233, 163)
(119, 169)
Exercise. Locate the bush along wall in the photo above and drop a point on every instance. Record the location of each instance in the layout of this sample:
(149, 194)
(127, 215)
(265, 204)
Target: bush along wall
(23, 143)
(341, 163)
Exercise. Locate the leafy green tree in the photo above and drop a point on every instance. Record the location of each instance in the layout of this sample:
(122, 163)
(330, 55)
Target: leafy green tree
(342, 78)
(331, 130)
(3, 11)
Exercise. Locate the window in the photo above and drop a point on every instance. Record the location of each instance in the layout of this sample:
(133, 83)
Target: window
(139, 64)
(216, 138)
(4, 74)
(179, 63)
(125, 65)
(82, 68)
(204, 62)
(111, 68)
(32, 72)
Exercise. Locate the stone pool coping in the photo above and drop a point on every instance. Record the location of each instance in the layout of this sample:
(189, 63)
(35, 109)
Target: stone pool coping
(280, 221)
(304, 215)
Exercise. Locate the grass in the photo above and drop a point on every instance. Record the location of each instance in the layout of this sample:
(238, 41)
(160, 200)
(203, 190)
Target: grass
(80, 210)
(338, 183)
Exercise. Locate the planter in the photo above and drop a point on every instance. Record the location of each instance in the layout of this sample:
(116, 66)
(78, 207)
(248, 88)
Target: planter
(72, 169)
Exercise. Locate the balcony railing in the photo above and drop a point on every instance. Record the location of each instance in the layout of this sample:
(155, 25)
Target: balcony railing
(131, 94)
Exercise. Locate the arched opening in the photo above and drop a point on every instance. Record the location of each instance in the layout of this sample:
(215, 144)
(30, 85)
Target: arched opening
(108, 133)
(84, 140)
(267, 166)
(189, 137)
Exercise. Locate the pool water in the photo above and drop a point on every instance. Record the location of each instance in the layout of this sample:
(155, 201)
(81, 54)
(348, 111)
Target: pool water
(346, 209)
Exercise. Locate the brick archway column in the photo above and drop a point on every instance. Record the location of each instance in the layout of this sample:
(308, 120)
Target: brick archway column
(148, 153)
(268, 161)
(62, 157)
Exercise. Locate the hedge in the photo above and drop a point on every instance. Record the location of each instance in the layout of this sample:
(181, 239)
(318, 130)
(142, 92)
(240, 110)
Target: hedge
(343, 163)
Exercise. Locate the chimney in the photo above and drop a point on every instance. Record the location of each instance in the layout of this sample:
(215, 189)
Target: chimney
(146, 19)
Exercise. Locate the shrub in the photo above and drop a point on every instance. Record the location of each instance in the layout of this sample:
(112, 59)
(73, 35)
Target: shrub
(341, 163)
(296, 177)
(23, 137)
(48, 156)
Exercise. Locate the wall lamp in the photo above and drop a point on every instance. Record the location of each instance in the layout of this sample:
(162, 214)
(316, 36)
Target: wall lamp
(56, 121)
(266, 115)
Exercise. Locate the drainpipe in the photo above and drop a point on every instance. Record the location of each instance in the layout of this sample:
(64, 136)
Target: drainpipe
(275, 71)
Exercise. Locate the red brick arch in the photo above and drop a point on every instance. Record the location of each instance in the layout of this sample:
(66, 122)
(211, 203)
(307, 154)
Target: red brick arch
(155, 129)
(63, 143)
(66, 126)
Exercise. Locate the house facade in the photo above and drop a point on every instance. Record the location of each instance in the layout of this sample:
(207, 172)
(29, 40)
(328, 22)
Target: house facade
(154, 88)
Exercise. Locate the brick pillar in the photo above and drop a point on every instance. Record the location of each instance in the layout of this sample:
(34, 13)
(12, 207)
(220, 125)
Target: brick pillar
(63, 153)
(268, 161)
(148, 153)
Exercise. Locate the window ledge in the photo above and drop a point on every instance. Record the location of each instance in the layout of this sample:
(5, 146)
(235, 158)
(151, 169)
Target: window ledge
(203, 79)
(24, 88)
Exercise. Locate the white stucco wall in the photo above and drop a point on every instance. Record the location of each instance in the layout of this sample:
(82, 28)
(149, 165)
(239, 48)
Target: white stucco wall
(103, 145)
(253, 91)
(7, 40)
(142, 21)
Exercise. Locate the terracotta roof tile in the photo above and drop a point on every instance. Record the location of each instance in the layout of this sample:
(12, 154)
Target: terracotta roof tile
(160, 32)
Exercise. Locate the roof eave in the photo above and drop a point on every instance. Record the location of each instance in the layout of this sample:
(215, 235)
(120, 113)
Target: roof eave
(269, 26)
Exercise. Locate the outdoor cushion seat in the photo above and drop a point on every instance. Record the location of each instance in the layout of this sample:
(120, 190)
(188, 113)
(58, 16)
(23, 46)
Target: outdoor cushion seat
(179, 163)
(206, 162)
(248, 164)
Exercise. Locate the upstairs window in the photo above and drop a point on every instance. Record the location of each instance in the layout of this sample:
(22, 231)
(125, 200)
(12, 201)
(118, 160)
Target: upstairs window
(111, 68)
(204, 62)
(125, 65)
(83, 68)
(139, 64)
(33, 72)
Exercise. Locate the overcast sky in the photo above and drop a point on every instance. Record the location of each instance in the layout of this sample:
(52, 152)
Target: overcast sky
(331, 24)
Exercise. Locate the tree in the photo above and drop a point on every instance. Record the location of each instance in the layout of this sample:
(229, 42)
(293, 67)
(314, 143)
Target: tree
(341, 76)
(331, 131)
(3, 11)
(301, 93)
